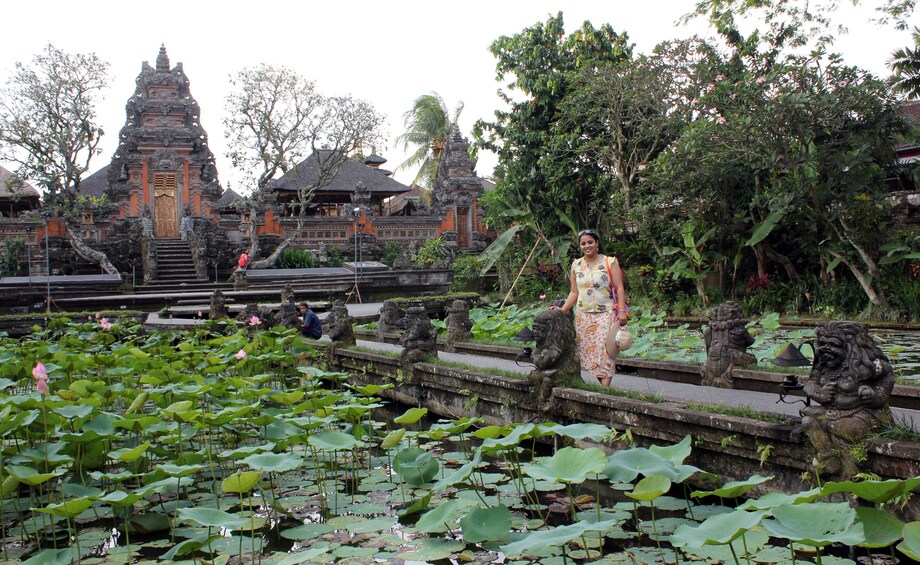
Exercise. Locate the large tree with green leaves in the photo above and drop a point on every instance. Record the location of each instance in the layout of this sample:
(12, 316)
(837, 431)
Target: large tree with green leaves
(48, 129)
(784, 157)
(905, 62)
(428, 124)
(544, 172)
(277, 118)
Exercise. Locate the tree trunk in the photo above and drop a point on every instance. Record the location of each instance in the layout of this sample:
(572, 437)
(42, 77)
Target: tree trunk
(875, 297)
(782, 260)
(88, 253)
(269, 261)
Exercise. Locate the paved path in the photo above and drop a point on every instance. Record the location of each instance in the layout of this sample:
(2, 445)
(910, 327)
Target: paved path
(678, 392)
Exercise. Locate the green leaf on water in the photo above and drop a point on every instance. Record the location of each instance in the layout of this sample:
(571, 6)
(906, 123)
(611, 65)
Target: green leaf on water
(568, 465)
(242, 481)
(650, 488)
(911, 544)
(733, 489)
(332, 440)
(438, 519)
(433, 549)
(486, 524)
(416, 466)
(817, 524)
(212, 518)
(411, 416)
(881, 528)
(717, 530)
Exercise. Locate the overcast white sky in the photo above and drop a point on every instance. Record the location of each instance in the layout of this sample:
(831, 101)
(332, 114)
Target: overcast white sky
(386, 52)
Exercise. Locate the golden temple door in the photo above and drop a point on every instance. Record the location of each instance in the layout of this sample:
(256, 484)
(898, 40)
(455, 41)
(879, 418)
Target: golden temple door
(165, 205)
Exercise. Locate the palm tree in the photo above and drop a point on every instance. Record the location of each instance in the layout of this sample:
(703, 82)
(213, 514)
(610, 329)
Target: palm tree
(428, 124)
(905, 62)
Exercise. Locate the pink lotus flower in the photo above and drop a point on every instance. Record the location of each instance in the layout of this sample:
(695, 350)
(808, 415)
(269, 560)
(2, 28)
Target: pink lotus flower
(104, 322)
(41, 376)
(199, 313)
(254, 321)
(543, 296)
(89, 318)
(241, 354)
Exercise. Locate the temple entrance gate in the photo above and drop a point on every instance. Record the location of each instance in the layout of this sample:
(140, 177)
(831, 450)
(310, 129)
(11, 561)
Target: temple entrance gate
(165, 205)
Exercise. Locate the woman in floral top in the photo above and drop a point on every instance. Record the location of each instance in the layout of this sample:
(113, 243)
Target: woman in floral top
(597, 291)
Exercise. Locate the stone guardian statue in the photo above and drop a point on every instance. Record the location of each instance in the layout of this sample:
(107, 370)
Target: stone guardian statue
(851, 381)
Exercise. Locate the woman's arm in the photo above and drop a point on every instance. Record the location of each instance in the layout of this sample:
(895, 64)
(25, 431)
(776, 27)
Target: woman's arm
(572, 298)
(620, 292)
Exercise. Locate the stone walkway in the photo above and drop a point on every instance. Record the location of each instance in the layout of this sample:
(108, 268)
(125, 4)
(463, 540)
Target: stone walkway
(678, 392)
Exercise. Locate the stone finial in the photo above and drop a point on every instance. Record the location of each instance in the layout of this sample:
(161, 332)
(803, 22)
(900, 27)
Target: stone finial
(419, 341)
(162, 59)
(727, 340)
(218, 306)
(341, 325)
(389, 317)
(458, 324)
(555, 357)
(851, 381)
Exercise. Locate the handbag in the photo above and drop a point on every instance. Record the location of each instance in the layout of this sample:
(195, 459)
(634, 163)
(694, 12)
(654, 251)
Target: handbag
(618, 337)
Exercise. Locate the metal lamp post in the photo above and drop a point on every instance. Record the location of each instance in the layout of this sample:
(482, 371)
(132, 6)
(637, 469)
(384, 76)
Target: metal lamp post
(29, 252)
(46, 216)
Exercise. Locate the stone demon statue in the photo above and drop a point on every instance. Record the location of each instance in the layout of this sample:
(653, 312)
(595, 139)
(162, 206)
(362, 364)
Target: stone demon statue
(554, 357)
(727, 340)
(458, 324)
(419, 341)
(389, 317)
(851, 380)
(341, 325)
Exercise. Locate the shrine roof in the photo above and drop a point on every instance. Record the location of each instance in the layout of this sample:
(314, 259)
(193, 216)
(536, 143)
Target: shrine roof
(24, 190)
(95, 184)
(227, 199)
(352, 172)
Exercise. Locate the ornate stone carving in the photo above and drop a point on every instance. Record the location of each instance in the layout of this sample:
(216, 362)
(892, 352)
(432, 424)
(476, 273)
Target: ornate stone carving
(851, 380)
(419, 341)
(389, 317)
(458, 324)
(361, 197)
(555, 357)
(218, 305)
(727, 340)
(340, 325)
(288, 315)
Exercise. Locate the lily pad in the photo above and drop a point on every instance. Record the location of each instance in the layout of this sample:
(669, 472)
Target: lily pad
(433, 549)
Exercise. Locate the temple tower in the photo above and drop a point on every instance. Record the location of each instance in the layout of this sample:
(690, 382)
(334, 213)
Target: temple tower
(163, 168)
(457, 188)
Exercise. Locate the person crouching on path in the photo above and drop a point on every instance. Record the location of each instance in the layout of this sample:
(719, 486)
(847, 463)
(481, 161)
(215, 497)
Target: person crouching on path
(310, 326)
(597, 291)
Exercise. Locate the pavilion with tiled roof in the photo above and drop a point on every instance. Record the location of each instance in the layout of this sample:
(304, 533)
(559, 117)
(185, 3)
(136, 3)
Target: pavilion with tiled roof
(334, 197)
(16, 196)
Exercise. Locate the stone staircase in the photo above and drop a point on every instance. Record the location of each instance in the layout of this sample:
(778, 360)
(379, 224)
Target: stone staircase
(175, 268)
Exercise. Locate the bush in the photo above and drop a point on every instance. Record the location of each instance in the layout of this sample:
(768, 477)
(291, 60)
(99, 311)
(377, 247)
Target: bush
(466, 271)
(294, 259)
(335, 257)
(430, 253)
(10, 264)
(391, 252)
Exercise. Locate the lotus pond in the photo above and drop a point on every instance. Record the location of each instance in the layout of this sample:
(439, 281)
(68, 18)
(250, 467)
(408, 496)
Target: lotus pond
(227, 444)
